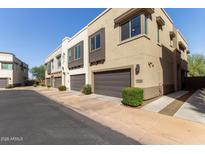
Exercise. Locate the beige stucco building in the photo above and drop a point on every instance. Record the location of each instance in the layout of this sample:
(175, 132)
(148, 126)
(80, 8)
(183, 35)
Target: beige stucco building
(12, 70)
(131, 48)
(142, 43)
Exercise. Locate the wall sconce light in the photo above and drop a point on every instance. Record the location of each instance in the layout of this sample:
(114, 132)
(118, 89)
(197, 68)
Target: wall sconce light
(137, 69)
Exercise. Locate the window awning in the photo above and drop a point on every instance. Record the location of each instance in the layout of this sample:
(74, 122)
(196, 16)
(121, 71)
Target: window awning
(160, 21)
(132, 12)
(172, 34)
(181, 45)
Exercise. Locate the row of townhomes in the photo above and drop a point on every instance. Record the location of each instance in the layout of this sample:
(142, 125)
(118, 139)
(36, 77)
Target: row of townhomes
(12, 70)
(122, 48)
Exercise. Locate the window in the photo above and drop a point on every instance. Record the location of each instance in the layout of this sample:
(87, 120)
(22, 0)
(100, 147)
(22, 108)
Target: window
(95, 42)
(158, 34)
(69, 56)
(97, 45)
(52, 66)
(77, 52)
(59, 61)
(6, 66)
(135, 26)
(125, 31)
(131, 28)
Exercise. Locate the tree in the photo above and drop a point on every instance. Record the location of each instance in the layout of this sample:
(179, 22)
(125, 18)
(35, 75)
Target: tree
(196, 65)
(39, 72)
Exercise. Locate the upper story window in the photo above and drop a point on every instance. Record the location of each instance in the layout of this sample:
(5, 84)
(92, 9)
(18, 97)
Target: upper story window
(160, 24)
(59, 61)
(52, 65)
(77, 52)
(131, 28)
(95, 42)
(158, 34)
(6, 66)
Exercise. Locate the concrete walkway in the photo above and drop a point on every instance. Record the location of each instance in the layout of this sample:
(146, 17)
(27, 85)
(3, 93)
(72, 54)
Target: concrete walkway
(163, 101)
(194, 108)
(145, 127)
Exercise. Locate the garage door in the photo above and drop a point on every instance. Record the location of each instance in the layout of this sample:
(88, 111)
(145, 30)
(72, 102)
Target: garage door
(77, 81)
(111, 83)
(3, 82)
(57, 82)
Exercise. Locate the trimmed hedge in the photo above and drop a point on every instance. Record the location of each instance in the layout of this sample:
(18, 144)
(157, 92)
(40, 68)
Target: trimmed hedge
(62, 88)
(87, 89)
(132, 96)
(35, 85)
(48, 86)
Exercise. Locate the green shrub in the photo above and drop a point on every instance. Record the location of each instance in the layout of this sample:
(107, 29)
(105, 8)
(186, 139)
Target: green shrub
(35, 85)
(132, 96)
(87, 89)
(43, 85)
(9, 86)
(62, 88)
(48, 86)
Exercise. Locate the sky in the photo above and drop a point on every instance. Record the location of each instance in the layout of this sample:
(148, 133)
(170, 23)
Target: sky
(31, 34)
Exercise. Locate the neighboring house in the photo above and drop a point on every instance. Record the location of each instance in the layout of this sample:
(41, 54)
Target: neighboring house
(75, 51)
(12, 70)
(128, 48)
(53, 71)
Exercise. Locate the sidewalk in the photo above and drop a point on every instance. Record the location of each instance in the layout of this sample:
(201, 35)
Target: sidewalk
(194, 108)
(145, 127)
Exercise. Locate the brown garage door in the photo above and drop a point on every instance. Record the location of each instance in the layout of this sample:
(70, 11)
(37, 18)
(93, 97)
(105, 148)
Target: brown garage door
(111, 83)
(3, 82)
(77, 81)
(57, 82)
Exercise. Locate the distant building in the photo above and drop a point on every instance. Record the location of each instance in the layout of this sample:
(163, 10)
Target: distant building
(12, 70)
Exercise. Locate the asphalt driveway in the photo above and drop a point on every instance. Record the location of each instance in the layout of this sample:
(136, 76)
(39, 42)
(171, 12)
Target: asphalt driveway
(27, 117)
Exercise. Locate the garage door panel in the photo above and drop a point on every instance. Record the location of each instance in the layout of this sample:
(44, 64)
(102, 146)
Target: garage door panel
(57, 82)
(115, 82)
(77, 81)
(3, 83)
(111, 83)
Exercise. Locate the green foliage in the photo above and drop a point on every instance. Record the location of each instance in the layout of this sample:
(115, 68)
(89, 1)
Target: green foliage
(35, 85)
(9, 86)
(62, 88)
(87, 89)
(48, 86)
(38, 72)
(196, 65)
(132, 96)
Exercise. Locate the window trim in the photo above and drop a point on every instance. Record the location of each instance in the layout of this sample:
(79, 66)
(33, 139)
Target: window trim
(94, 36)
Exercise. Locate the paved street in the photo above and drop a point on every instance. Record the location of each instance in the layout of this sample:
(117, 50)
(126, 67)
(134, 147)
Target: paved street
(27, 117)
